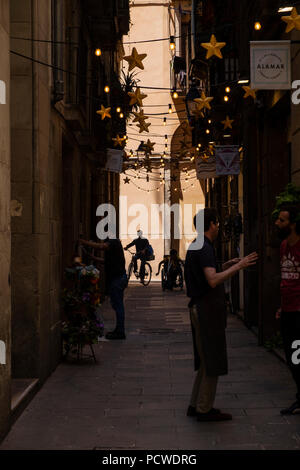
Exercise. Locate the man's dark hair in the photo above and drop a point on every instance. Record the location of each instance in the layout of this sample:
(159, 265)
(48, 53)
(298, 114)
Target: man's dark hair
(210, 215)
(294, 214)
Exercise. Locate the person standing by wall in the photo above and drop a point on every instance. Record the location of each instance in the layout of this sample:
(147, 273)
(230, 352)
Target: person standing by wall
(288, 226)
(115, 280)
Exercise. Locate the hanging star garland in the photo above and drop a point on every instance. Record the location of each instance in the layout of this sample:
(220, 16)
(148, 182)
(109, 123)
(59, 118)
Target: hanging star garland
(135, 60)
(149, 146)
(143, 126)
(140, 117)
(136, 97)
(104, 112)
(227, 123)
(126, 180)
(187, 129)
(118, 141)
(205, 157)
(213, 47)
(204, 101)
(249, 92)
(292, 21)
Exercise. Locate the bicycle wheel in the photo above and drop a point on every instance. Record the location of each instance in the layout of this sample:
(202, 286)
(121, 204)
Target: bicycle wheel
(148, 274)
(163, 280)
(130, 269)
(180, 280)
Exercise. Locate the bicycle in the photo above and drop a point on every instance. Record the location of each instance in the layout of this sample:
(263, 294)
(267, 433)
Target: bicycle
(148, 271)
(165, 281)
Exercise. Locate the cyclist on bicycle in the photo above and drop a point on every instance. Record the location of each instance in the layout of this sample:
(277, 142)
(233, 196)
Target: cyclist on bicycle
(141, 244)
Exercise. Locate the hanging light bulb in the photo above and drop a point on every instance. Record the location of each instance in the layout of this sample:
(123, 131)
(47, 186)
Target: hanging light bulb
(121, 115)
(106, 89)
(172, 43)
(207, 131)
(175, 94)
(226, 98)
(165, 121)
(166, 138)
(227, 89)
(257, 25)
(98, 52)
(209, 121)
(118, 109)
(170, 109)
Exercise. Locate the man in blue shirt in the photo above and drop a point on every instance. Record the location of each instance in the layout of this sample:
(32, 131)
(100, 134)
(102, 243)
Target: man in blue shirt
(208, 316)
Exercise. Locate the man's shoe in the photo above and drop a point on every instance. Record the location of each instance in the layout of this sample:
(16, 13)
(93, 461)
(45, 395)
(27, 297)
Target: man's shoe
(115, 335)
(191, 411)
(214, 415)
(290, 411)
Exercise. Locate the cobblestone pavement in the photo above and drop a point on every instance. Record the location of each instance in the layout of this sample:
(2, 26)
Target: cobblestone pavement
(136, 396)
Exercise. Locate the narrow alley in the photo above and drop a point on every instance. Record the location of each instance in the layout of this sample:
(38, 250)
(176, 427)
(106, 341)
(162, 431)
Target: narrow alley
(137, 394)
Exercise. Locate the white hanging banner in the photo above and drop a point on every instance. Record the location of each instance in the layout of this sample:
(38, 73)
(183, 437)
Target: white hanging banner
(206, 168)
(114, 160)
(227, 160)
(270, 64)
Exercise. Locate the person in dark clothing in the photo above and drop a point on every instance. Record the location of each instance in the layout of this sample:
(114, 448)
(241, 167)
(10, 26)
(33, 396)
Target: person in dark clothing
(172, 267)
(288, 225)
(116, 280)
(208, 316)
(141, 244)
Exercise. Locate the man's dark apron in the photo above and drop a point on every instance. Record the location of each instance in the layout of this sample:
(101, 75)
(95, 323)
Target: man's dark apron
(211, 311)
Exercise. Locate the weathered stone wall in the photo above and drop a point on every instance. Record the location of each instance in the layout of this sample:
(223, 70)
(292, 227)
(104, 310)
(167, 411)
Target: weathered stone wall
(35, 226)
(5, 302)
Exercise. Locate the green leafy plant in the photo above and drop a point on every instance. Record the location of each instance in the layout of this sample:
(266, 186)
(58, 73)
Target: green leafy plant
(291, 195)
(129, 83)
(275, 342)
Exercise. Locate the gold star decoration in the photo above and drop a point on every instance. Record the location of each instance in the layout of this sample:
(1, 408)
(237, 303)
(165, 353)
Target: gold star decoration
(205, 157)
(204, 101)
(104, 112)
(140, 117)
(136, 97)
(118, 141)
(249, 92)
(143, 126)
(135, 60)
(126, 180)
(213, 47)
(227, 123)
(198, 113)
(149, 146)
(187, 129)
(292, 21)
(211, 149)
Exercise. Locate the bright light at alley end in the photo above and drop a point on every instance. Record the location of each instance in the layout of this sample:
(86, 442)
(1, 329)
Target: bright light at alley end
(98, 52)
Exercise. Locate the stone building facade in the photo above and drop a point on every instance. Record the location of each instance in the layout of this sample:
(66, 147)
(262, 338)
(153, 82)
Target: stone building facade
(58, 153)
(5, 300)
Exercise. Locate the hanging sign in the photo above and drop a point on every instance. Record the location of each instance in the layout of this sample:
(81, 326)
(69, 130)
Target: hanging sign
(114, 160)
(206, 168)
(227, 160)
(270, 64)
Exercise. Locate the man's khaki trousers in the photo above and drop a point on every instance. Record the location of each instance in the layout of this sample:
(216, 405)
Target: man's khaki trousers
(205, 387)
